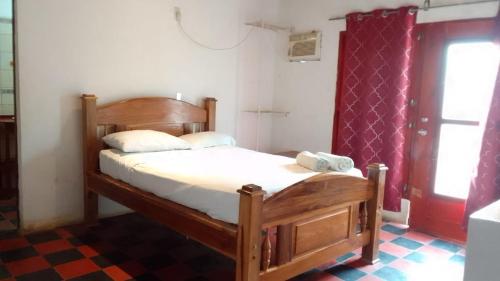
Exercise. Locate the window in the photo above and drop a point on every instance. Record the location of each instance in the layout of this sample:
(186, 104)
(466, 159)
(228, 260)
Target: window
(470, 75)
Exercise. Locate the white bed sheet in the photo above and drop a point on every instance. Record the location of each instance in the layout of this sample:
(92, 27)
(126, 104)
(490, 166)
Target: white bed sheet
(205, 179)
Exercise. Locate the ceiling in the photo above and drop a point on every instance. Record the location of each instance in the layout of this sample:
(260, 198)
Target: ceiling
(357, 4)
(343, 7)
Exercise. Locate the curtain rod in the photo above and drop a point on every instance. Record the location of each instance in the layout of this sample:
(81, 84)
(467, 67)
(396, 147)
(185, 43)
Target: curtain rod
(435, 7)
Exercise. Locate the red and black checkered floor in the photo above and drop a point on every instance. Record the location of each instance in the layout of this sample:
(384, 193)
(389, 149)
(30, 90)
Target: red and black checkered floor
(133, 248)
(8, 214)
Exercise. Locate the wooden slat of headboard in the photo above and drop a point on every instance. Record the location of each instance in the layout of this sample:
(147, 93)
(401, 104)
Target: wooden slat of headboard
(151, 111)
(169, 128)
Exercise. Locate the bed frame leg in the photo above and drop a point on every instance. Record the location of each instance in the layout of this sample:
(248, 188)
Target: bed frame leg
(90, 159)
(376, 174)
(91, 209)
(248, 254)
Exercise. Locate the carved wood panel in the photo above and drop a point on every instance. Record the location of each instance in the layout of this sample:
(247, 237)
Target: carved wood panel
(317, 232)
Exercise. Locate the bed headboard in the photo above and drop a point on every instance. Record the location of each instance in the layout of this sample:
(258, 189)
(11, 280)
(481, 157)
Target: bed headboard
(154, 113)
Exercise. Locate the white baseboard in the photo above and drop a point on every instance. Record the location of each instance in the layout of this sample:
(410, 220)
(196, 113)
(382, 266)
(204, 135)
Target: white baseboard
(31, 227)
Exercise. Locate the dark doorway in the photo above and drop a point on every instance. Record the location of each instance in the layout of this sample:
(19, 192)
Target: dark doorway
(8, 137)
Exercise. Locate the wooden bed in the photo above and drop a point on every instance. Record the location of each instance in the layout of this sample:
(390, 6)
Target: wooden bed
(301, 227)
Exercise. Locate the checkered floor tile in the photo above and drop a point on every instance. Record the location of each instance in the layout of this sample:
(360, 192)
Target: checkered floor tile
(132, 248)
(8, 214)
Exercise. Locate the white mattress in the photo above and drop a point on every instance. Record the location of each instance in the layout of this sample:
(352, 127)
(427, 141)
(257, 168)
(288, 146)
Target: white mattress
(205, 179)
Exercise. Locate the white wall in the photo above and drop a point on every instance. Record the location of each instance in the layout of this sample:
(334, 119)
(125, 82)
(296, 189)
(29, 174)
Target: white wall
(256, 67)
(115, 49)
(308, 90)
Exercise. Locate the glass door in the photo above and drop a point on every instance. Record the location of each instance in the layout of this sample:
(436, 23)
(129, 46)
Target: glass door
(456, 71)
(469, 79)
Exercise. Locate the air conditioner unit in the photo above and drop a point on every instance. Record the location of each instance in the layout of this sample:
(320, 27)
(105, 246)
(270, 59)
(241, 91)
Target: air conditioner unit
(304, 47)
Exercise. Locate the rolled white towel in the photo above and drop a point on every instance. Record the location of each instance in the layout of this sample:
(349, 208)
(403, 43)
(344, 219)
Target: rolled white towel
(336, 162)
(311, 161)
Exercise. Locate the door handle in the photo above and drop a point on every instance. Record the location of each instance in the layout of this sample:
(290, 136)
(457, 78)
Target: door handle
(422, 132)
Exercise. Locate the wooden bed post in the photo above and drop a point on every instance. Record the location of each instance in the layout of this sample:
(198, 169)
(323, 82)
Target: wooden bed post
(248, 252)
(90, 161)
(210, 107)
(376, 174)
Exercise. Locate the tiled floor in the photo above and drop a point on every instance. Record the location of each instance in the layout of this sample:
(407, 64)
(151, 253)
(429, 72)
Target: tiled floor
(8, 214)
(132, 248)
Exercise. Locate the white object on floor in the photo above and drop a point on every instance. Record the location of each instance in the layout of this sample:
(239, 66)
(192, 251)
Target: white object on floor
(483, 250)
(336, 162)
(312, 161)
(401, 217)
(205, 179)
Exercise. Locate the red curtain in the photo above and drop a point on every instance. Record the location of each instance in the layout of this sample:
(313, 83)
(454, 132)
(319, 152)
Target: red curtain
(373, 108)
(485, 186)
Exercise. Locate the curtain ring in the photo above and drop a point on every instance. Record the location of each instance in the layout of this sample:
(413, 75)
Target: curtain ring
(360, 17)
(385, 13)
(412, 11)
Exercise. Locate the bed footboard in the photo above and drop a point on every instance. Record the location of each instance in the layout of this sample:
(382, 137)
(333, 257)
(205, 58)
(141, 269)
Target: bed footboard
(308, 224)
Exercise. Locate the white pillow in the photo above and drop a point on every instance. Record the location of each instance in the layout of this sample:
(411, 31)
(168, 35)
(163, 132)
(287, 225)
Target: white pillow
(208, 139)
(144, 141)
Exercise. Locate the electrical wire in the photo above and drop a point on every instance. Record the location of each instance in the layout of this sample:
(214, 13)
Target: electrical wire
(181, 28)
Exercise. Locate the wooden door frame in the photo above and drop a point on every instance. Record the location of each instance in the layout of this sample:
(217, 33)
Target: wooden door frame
(339, 92)
(15, 55)
(13, 164)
